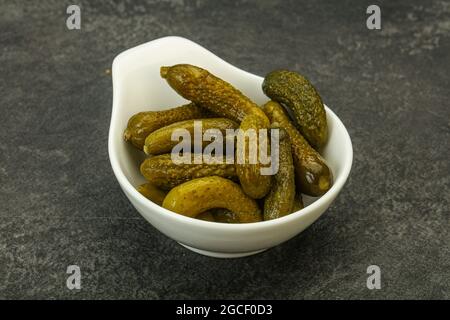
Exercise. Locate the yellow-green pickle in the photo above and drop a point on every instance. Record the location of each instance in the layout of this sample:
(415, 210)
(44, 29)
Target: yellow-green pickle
(208, 91)
(160, 141)
(311, 171)
(164, 173)
(280, 200)
(252, 181)
(152, 193)
(299, 95)
(143, 123)
(199, 195)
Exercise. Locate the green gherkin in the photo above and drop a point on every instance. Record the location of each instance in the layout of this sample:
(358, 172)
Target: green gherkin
(280, 200)
(299, 95)
(252, 181)
(160, 141)
(199, 195)
(208, 91)
(312, 175)
(142, 124)
(162, 172)
(152, 193)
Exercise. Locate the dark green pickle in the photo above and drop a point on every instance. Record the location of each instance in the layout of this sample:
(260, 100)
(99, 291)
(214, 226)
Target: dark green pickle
(165, 174)
(299, 95)
(280, 200)
(160, 141)
(142, 124)
(313, 176)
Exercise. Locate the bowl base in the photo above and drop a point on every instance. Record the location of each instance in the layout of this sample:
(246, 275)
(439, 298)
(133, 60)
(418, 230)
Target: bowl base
(223, 255)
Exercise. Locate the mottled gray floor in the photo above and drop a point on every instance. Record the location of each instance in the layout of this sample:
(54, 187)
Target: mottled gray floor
(60, 203)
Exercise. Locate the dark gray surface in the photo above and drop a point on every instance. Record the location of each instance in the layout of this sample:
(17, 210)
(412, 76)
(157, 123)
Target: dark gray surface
(60, 203)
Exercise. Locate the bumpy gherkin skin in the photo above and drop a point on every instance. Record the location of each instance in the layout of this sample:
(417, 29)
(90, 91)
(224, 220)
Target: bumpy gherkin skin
(142, 124)
(199, 195)
(253, 183)
(164, 173)
(160, 141)
(152, 193)
(299, 95)
(311, 171)
(280, 200)
(208, 91)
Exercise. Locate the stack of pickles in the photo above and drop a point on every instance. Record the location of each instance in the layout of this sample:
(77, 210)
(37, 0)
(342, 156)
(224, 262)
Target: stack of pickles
(234, 192)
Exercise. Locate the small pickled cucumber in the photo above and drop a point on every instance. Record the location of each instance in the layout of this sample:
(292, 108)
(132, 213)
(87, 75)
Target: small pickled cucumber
(143, 123)
(280, 200)
(252, 181)
(164, 173)
(160, 141)
(311, 171)
(152, 193)
(208, 91)
(298, 94)
(199, 195)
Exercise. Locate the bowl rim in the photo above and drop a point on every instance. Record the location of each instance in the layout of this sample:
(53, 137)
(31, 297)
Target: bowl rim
(144, 202)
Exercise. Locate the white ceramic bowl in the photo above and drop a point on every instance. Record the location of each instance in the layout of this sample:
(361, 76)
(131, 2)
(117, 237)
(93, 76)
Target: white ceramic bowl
(138, 86)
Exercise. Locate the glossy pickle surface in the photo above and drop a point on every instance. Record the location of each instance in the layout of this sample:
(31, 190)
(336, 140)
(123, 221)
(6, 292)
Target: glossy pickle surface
(299, 95)
(199, 195)
(313, 175)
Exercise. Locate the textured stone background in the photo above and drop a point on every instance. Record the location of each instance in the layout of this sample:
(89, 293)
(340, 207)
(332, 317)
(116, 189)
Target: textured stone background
(60, 203)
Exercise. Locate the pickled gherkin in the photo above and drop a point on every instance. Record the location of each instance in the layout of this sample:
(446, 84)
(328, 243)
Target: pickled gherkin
(152, 193)
(311, 171)
(252, 181)
(299, 95)
(164, 173)
(210, 92)
(199, 195)
(142, 124)
(160, 141)
(280, 200)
